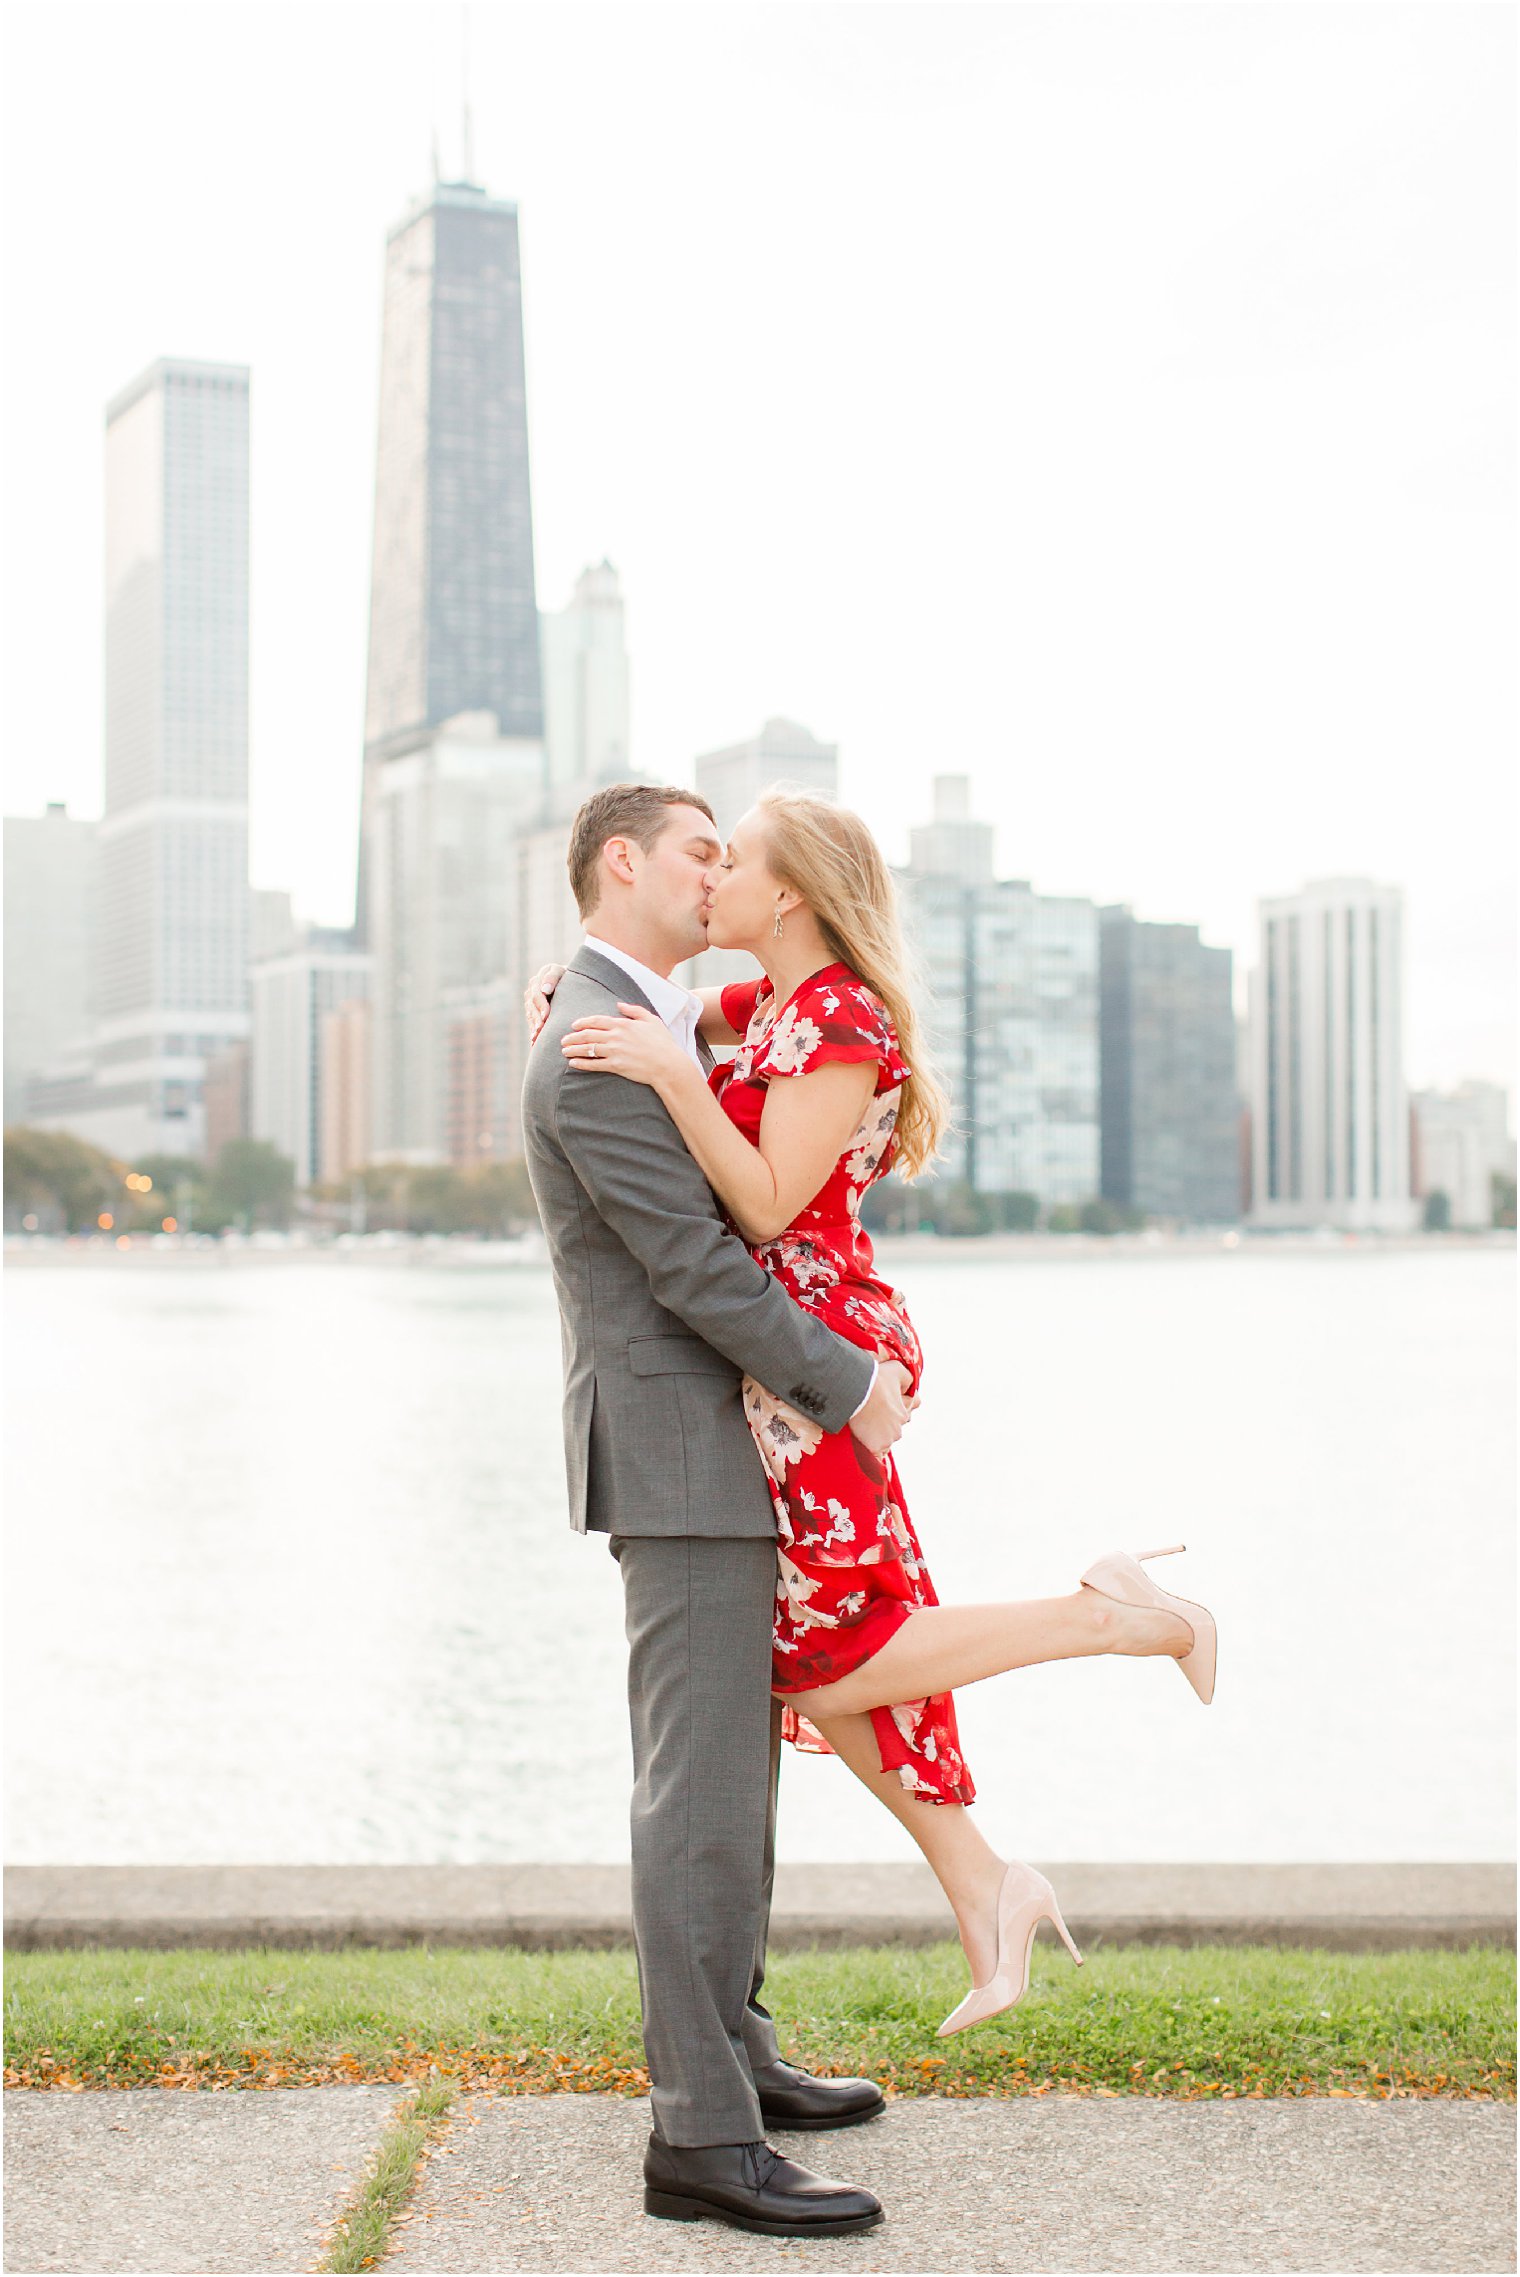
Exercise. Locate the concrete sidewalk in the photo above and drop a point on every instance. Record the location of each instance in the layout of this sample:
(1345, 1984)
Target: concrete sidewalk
(1369, 1908)
(177, 2183)
(156, 2179)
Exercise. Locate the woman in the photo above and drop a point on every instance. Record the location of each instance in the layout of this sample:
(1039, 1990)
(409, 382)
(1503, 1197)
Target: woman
(827, 1091)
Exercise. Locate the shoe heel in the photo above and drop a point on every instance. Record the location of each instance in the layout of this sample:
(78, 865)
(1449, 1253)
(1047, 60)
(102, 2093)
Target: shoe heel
(668, 2209)
(1061, 1930)
(1170, 1552)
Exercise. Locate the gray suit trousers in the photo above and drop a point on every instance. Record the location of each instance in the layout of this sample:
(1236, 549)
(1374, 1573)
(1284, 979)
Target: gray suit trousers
(706, 1745)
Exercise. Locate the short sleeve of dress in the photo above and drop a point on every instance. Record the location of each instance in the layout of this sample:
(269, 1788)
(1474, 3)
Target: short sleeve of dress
(738, 1001)
(835, 1017)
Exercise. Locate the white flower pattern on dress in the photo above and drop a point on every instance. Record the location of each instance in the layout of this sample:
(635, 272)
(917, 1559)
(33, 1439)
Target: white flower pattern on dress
(792, 1044)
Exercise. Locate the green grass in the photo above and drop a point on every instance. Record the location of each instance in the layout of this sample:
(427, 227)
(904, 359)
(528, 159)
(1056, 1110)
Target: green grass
(1197, 2021)
(362, 2231)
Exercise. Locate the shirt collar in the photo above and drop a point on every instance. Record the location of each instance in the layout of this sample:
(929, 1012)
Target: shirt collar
(669, 998)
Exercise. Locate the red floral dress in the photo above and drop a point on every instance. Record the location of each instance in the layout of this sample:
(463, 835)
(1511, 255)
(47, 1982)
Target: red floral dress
(850, 1570)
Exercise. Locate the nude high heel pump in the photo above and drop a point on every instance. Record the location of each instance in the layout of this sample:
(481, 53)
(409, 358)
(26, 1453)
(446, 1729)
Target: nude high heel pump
(1025, 1899)
(1117, 1574)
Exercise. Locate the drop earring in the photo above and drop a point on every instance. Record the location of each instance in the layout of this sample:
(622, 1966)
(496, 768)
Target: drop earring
(778, 925)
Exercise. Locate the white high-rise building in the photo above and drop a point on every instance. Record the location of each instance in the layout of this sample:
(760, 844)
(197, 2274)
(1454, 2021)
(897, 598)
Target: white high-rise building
(585, 657)
(50, 902)
(731, 780)
(1462, 1144)
(1329, 1108)
(445, 818)
(954, 844)
(171, 988)
(293, 991)
(783, 752)
(1010, 1011)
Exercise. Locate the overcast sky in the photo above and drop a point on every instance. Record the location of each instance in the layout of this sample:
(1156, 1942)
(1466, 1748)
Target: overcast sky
(1113, 403)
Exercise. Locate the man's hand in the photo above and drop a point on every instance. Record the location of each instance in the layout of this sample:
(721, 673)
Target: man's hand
(881, 1422)
(536, 997)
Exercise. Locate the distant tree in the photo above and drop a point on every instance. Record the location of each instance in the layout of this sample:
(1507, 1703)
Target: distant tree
(253, 1183)
(501, 1197)
(1503, 1191)
(1018, 1212)
(1100, 1216)
(1437, 1211)
(969, 1211)
(61, 1180)
(434, 1200)
(1063, 1217)
(385, 1187)
(178, 1190)
(892, 1206)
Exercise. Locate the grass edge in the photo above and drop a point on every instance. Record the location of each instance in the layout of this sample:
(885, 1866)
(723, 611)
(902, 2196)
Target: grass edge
(362, 2229)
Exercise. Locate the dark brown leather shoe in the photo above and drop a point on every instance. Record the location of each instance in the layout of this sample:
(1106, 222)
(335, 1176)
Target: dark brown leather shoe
(751, 2187)
(793, 2098)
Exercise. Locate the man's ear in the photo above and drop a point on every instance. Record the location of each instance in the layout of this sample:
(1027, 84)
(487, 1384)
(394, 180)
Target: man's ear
(618, 853)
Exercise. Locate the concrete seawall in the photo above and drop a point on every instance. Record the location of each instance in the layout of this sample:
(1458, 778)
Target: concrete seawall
(1366, 1908)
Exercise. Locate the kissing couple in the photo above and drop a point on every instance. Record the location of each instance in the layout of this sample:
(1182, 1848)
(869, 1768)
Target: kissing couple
(736, 1377)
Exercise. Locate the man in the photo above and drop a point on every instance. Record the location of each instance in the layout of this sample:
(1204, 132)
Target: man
(663, 1311)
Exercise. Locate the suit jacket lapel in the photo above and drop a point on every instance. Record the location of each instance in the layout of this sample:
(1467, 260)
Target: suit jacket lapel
(622, 984)
(591, 966)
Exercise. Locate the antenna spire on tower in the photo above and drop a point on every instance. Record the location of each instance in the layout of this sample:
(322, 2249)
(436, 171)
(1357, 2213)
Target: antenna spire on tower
(466, 133)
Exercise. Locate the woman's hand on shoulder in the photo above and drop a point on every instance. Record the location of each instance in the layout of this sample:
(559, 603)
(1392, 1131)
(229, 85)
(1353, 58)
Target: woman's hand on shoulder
(637, 1045)
(536, 997)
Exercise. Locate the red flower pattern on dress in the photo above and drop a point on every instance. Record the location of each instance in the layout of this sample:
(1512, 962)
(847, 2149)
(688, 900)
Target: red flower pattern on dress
(849, 1566)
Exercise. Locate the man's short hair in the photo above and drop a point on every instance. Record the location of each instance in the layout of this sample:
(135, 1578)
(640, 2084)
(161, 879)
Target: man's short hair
(623, 810)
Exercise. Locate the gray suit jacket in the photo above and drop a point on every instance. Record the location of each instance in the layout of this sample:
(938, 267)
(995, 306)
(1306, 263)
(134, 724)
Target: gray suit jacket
(662, 1309)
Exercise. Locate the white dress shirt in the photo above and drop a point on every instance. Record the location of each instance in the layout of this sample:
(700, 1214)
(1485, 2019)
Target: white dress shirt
(680, 1010)
(677, 1006)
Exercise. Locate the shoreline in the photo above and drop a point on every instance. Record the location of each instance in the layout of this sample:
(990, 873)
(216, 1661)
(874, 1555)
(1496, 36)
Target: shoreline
(528, 1252)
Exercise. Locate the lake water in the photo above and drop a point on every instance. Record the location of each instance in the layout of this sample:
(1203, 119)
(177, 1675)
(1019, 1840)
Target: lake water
(290, 1577)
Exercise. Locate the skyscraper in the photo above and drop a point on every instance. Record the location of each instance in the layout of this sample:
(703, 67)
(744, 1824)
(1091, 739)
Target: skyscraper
(586, 683)
(731, 780)
(1171, 1137)
(1463, 1145)
(447, 819)
(783, 752)
(1329, 1109)
(171, 987)
(453, 756)
(453, 616)
(293, 990)
(1011, 1011)
(50, 900)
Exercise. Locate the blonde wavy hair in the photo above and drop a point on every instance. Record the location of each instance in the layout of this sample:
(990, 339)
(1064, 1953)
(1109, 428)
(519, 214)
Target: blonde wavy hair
(826, 853)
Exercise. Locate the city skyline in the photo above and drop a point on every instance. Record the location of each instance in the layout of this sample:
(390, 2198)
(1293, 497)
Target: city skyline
(1072, 656)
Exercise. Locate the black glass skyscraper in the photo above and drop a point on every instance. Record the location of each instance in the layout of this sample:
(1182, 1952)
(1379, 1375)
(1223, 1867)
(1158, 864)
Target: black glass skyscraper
(453, 611)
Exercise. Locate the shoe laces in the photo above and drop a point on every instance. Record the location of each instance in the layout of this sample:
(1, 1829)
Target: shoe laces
(763, 2162)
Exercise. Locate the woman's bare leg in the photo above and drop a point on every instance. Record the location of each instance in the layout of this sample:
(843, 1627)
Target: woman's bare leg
(940, 1647)
(965, 1865)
